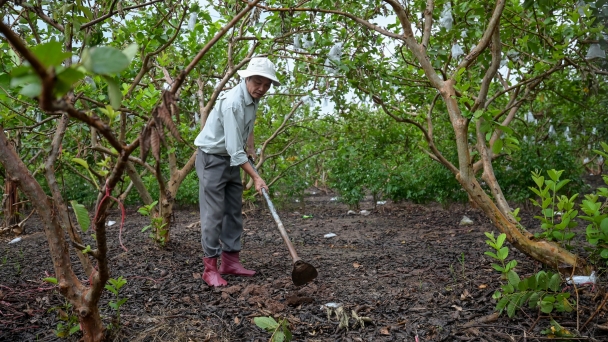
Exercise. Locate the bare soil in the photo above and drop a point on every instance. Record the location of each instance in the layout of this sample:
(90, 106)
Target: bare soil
(411, 269)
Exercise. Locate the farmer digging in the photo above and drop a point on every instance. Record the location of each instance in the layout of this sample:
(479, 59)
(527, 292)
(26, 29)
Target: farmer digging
(221, 155)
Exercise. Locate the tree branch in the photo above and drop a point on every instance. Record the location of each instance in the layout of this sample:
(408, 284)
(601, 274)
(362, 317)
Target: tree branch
(491, 72)
(112, 12)
(179, 80)
(485, 39)
(428, 23)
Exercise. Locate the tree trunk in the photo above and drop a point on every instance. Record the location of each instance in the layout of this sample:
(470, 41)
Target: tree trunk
(83, 299)
(91, 324)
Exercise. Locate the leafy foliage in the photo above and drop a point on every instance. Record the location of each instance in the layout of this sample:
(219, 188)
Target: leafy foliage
(540, 290)
(279, 330)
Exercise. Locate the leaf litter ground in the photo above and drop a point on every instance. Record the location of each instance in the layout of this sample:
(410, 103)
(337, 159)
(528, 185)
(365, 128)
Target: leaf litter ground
(405, 270)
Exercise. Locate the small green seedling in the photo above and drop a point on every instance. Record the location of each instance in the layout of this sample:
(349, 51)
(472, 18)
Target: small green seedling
(279, 330)
(501, 253)
(114, 286)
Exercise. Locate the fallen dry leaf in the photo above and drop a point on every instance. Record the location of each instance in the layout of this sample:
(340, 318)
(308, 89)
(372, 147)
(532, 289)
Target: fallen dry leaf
(465, 294)
(458, 308)
(356, 265)
(384, 331)
(237, 320)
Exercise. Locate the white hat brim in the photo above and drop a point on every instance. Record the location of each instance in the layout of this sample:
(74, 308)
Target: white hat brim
(247, 73)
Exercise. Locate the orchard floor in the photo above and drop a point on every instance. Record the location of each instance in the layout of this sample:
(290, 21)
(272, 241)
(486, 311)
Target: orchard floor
(411, 269)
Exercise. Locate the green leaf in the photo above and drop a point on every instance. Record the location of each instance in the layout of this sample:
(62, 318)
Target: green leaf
(497, 147)
(266, 323)
(513, 304)
(511, 265)
(604, 253)
(604, 225)
(503, 253)
(546, 307)
(111, 289)
(561, 184)
(502, 303)
(533, 301)
(498, 267)
(31, 90)
(554, 282)
(50, 54)
(81, 162)
(105, 60)
(51, 280)
(513, 278)
(523, 285)
(278, 336)
(541, 280)
(500, 240)
(114, 92)
(492, 255)
(74, 329)
(130, 51)
(82, 215)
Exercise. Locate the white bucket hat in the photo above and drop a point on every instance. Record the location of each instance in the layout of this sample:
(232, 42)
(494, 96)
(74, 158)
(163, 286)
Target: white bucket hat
(261, 66)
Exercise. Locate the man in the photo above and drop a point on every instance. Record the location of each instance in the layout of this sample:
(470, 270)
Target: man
(221, 155)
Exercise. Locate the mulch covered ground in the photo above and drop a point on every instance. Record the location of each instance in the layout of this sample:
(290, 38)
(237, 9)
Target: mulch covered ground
(412, 270)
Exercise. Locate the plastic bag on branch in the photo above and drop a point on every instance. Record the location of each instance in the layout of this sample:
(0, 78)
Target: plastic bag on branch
(329, 66)
(446, 19)
(307, 44)
(335, 53)
(333, 58)
(192, 21)
(296, 41)
(457, 51)
(580, 7)
(595, 51)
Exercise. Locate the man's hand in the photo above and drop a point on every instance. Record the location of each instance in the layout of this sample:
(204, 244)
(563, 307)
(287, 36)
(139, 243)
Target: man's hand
(260, 184)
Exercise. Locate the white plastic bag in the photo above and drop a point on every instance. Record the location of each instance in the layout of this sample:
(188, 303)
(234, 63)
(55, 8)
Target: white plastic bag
(192, 21)
(580, 280)
(446, 19)
(595, 51)
(15, 240)
(296, 41)
(329, 66)
(466, 221)
(335, 53)
(580, 7)
(457, 51)
(307, 44)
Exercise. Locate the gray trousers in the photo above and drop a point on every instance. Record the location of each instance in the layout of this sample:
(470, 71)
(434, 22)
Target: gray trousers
(220, 201)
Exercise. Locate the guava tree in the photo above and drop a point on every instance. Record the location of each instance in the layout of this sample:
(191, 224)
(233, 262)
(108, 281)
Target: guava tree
(48, 77)
(472, 65)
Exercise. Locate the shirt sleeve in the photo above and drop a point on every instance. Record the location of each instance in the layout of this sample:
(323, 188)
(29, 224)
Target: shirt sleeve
(234, 126)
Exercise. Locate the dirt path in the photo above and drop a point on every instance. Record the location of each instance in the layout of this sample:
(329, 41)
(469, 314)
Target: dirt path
(411, 269)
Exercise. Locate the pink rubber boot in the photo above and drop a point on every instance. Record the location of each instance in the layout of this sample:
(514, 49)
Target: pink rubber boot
(210, 275)
(232, 265)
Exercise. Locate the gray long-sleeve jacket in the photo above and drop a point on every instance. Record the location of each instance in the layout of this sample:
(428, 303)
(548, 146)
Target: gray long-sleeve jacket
(229, 125)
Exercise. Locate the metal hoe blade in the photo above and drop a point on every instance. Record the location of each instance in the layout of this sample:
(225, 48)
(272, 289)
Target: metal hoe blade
(303, 273)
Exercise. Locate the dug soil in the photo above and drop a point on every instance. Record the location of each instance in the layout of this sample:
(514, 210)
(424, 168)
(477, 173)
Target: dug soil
(408, 272)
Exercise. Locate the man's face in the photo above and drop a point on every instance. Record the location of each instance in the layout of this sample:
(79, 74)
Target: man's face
(257, 86)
